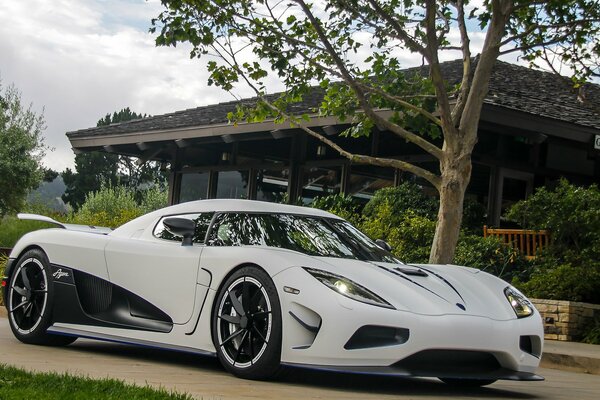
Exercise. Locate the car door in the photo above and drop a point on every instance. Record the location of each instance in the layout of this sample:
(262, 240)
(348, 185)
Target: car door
(160, 269)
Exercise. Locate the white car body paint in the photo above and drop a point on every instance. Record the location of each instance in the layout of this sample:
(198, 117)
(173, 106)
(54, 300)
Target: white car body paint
(184, 281)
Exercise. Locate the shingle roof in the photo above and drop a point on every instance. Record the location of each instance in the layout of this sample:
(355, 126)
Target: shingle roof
(511, 86)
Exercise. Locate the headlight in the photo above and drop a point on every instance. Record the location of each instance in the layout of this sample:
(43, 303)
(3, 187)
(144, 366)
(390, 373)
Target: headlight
(519, 303)
(348, 288)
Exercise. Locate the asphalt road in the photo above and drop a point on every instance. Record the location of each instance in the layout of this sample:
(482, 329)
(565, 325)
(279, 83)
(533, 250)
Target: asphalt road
(204, 378)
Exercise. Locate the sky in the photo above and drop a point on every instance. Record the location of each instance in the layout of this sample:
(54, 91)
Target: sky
(77, 60)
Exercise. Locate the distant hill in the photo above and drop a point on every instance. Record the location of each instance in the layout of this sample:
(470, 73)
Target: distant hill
(49, 194)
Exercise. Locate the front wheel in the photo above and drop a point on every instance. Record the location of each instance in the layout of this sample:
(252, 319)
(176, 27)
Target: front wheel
(246, 325)
(30, 301)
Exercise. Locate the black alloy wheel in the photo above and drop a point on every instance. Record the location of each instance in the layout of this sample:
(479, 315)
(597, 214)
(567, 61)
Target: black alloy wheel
(247, 325)
(30, 301)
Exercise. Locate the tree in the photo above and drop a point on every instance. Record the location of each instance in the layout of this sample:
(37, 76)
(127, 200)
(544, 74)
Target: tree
(21, 150)
(320, 42)
(92, 169)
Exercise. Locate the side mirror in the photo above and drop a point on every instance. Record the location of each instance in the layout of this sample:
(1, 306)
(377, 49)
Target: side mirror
(181, 227)
(383, 244)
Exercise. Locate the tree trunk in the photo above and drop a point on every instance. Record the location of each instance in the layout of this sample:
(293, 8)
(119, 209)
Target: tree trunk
(456, 173)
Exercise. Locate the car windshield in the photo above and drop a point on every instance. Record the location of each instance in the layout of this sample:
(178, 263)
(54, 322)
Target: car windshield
(315, 236)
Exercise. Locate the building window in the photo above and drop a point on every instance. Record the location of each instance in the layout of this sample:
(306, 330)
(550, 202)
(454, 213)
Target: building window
(272, 185)
(194, 186)
(232, 185)
(320, 181)
(363, 186)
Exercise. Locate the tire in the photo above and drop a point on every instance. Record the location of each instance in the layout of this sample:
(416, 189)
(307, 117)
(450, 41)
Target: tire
(246, 325)
(30, 300)
(467, 383)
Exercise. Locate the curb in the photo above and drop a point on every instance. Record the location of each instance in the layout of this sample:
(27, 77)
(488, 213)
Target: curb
(569, 362)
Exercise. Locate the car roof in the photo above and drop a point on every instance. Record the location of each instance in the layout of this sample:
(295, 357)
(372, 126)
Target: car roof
(217, 205)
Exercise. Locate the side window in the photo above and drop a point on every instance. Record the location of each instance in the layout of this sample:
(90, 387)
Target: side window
(236, 230)
(202, 222)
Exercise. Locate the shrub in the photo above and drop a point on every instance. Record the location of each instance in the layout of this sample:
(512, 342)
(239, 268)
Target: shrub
(12, 228)
(110, 206)
(571, 213)
(591, 333)
(563, 282)
(406, 196)
(569, 269)
(410, 235)
(491, 255)
(343, 206)
(153, 199)
(473, 216)
(410, 196)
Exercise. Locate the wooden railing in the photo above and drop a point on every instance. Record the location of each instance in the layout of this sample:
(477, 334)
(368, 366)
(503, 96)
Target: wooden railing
(528, 242)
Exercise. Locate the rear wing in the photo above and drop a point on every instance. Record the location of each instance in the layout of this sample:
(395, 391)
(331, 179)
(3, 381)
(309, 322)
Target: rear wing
(72, 227)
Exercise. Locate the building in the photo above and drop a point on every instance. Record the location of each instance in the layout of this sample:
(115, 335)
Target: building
(534, 129)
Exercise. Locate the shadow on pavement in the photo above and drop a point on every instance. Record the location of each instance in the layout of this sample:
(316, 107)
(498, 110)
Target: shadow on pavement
(305, 377)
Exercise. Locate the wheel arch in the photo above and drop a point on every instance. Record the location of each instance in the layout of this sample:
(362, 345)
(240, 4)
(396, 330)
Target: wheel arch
(226, 277)
(13, 265)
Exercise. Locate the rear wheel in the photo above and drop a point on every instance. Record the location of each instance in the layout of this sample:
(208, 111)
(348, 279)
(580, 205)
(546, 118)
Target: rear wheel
(467, 382)
(30, 300)
(246, 325)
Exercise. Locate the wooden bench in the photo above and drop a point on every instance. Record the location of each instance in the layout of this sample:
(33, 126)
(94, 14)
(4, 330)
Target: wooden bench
(528, 242)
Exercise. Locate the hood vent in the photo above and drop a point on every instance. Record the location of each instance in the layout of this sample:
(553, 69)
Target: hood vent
(411, 271)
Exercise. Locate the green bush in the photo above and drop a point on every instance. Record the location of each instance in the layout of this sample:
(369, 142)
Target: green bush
(408, 234)
(568, 269)
(410, 196)
(563, 282)
(571, 213)
(591, 333)
(491, 255)
(343, 206)
(153, 199)
(12, 228)
(110, 206)
(473, 216)
(406, 196)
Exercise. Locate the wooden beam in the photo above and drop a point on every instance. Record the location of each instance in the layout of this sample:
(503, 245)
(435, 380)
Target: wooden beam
(181, 143)
(148, 155)
(143, 146)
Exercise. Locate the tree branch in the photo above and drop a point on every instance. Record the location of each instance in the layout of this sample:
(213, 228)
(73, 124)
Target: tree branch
(368, 110)
(465, 84)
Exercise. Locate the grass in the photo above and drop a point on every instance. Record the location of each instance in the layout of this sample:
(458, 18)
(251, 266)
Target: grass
(19, 384)
(12, 228)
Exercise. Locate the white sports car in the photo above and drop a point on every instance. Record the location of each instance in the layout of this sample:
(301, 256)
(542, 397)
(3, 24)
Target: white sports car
(261, 285)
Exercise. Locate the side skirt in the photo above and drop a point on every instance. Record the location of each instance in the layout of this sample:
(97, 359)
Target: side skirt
(117, 339)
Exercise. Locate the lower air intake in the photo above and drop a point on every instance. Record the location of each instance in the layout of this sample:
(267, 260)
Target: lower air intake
(453, 362)
(370, 336)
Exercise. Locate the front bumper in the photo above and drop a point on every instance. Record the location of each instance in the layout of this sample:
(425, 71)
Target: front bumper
(499, 374)
(338, 318)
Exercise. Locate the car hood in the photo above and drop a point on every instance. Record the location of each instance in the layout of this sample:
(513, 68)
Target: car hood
(428, 288)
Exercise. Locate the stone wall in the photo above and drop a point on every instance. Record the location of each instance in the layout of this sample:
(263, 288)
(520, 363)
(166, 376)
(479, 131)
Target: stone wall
(565, 320)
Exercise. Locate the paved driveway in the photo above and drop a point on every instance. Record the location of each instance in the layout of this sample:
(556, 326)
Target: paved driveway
(204, 377)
